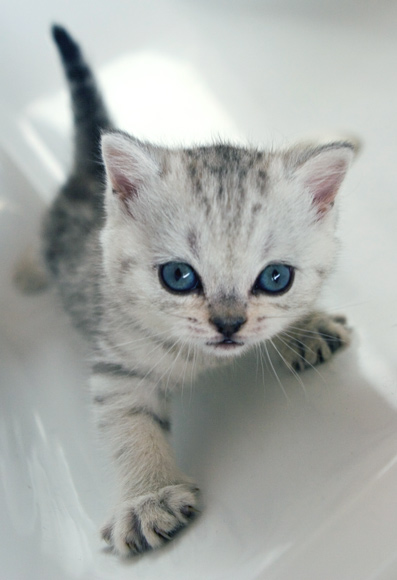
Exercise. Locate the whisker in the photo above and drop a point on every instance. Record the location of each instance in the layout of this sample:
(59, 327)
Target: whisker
(296, 340)
(299, 379)
(348, 305)
(275, 373)
(173, 366)
(302, 331)
(287, 344)
(149, 338)
(186, 365)
(261, 356)
(193, 367)
(169, 369)
(193, 372)
(257, 362)
(166, 353)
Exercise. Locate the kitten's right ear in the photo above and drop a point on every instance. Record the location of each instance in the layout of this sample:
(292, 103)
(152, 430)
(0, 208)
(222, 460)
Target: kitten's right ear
(129, 167)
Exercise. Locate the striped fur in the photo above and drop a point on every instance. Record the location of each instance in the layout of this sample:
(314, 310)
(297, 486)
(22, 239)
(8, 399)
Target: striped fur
(228, 212)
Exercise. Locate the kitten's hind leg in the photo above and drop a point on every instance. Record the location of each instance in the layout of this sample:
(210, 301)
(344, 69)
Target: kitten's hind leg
(30, 273)
(312, 340)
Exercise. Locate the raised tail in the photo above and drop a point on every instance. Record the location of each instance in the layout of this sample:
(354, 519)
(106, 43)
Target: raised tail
(89, 112)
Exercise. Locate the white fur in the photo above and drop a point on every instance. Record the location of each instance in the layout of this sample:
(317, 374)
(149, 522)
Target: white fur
(151, 208)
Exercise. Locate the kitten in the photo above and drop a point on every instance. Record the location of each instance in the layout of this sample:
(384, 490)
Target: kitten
(186, 258)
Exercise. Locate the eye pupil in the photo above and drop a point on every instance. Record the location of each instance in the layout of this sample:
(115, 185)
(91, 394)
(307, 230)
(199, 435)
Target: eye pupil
(275, 279)
(178, 277)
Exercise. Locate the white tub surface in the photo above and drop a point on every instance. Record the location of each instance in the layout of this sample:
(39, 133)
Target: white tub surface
(299, 482)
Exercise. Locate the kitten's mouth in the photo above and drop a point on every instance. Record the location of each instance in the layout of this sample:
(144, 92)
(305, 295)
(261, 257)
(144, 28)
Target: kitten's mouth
(225, 344)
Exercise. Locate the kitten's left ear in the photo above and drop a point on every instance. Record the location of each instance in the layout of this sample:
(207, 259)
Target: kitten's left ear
(321, 170)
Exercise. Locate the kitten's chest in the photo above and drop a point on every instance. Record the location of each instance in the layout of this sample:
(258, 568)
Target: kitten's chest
(167, 362)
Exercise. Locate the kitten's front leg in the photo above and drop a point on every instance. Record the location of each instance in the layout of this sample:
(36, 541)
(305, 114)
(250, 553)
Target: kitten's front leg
(312, 340)
(154, 500)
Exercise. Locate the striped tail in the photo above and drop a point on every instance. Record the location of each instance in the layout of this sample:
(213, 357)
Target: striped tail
(89, 111)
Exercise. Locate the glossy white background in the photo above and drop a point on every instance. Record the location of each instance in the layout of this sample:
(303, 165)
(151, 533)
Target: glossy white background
(299, 482)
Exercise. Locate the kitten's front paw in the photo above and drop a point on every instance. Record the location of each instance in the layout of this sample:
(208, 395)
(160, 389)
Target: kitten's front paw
(148, 521)
(313, 340)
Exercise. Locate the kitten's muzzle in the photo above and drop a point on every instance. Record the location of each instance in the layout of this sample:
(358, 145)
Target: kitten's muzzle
(228, 326)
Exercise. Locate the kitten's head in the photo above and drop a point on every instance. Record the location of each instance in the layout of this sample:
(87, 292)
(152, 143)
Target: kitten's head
(219, 247)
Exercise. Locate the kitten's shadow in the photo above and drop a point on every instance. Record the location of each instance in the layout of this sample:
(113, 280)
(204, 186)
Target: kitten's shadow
(242, 423)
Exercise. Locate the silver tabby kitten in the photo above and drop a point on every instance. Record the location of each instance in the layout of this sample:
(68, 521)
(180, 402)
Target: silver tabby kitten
(187, 257)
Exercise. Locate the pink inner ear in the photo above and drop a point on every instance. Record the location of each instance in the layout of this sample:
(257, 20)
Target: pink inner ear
(122, 184)
(325, 187)
(128, 166)
(322, 175)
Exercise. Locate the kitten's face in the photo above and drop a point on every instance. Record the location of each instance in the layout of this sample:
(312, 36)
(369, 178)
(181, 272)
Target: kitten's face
(221, 248)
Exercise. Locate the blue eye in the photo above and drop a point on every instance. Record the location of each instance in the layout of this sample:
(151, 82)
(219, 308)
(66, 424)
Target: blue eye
(275, 279)
(179, 277)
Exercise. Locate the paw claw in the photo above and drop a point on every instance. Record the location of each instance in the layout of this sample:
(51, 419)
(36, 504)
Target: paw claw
(189, 511)
(339, 319)
(162, 534)
(296, 366)
(334, 344)
(149, 521)
(106, 533)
